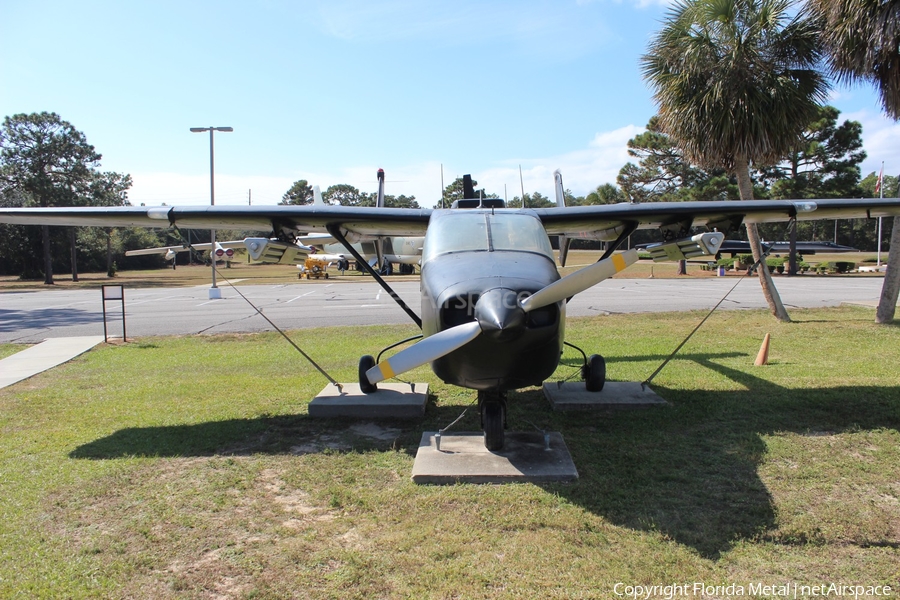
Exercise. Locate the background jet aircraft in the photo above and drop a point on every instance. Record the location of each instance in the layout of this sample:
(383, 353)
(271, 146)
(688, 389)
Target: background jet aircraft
(492, 300)
(384, 252)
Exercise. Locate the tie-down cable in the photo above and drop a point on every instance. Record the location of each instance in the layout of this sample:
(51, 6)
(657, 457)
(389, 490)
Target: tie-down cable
(756, 265)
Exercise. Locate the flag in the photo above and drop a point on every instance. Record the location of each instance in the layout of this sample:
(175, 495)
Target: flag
(880, 180)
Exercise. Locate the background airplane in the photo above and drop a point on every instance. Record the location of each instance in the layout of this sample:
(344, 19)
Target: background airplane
(383, 252)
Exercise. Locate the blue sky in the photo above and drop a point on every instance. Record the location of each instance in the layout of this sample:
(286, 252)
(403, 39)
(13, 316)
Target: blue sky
(329, 91)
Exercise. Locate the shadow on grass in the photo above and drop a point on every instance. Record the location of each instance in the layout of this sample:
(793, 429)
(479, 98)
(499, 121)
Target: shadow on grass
(281, 434)
(46, 318)
(687, 471)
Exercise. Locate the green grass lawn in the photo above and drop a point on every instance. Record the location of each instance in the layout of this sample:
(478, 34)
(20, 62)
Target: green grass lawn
(188, 468)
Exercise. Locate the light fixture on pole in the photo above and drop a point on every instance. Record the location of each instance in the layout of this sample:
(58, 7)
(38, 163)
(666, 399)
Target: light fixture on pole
(214, 292)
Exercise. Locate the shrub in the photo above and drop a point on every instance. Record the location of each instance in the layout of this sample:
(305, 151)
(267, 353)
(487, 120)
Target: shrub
(844, 266)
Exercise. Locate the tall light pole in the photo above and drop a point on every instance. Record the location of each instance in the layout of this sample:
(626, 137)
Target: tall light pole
(214, 292)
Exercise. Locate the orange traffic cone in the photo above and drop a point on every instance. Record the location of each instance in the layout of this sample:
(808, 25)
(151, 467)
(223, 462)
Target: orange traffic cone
(763, 357)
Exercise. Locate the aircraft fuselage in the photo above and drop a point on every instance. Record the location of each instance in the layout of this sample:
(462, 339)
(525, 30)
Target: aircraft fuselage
(477, 266)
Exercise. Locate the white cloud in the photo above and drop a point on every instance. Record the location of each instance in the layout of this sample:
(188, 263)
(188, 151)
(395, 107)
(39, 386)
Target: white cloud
(583, 170)
(881, 140)
(554, 29)
(176, 189)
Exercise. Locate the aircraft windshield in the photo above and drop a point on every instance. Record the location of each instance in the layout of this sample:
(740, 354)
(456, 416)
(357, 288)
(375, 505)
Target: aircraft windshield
(485, 232)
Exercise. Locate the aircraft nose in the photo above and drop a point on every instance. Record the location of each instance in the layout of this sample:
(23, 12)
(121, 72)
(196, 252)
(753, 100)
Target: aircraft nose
(499, 315)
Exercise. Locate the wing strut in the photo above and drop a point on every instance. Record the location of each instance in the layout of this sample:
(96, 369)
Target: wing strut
(630, 228)
(335, 230)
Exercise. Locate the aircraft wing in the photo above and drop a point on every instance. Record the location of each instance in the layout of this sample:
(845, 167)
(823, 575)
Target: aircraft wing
(160, 250)
(237, 245)
(598, 221)
(595, 221)
(367, 221)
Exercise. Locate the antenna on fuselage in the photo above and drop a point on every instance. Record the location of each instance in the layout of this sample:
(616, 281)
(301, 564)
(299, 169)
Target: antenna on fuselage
(379, 201)
(522, 185)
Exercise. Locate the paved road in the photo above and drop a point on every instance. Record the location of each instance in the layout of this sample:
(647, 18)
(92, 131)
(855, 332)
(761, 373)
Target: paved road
(35, 316)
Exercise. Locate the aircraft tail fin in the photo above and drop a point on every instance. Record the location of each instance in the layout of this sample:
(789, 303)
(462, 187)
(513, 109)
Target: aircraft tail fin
(564, 240)
(560, 190)
(317, 196)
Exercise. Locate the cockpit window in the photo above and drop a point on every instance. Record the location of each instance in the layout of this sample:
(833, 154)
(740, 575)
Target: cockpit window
(519, 232)
(486, 232)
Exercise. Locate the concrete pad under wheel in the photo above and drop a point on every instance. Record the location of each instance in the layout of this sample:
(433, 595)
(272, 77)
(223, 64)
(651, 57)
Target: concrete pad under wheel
(462, 458)
(390, 401)
(572, 395)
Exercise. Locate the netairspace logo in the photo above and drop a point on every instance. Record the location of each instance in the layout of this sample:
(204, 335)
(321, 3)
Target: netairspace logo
(735, 590)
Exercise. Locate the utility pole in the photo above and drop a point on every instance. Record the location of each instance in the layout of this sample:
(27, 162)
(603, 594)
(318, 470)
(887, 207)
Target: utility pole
(214, 292)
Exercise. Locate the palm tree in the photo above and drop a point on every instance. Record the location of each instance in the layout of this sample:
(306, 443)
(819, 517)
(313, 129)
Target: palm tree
(736, 83)
(861, 38)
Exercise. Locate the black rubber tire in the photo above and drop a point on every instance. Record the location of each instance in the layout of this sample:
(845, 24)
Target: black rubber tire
(493, 418)
(595, 376)
(365, 363)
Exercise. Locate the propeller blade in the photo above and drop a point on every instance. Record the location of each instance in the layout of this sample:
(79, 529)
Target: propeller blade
(431, 348)
(580, 280)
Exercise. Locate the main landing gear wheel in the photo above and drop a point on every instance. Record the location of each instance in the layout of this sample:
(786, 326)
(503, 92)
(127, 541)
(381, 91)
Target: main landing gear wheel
(493, 419)
(366, 363)
(594, 373)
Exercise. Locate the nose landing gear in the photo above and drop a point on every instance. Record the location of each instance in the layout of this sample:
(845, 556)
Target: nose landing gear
(493, 418)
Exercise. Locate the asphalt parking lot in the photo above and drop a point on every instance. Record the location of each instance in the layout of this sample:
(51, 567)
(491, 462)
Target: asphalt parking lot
(32, 316)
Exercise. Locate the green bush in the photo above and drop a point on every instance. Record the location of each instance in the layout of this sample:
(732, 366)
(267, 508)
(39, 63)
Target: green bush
(844, 266)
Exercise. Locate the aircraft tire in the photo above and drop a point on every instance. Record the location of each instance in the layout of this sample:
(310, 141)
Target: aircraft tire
(492, 414)
(365, 363)
(595, 375)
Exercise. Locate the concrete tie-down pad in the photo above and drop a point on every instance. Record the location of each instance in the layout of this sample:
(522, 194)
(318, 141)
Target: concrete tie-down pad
(462, 458)
(390, 401)
(572, 395)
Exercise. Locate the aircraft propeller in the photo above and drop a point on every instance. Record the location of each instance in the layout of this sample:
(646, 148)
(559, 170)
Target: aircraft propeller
(500, 314)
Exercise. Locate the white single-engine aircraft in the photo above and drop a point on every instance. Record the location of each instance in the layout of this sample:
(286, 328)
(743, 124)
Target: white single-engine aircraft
(492, 301)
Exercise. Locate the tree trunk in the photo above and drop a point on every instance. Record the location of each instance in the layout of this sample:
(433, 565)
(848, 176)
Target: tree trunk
(682, 267)
(792, 256)
(887, 305)
(742, 172)
(73, 253)
(48, 261)
(109, 252)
